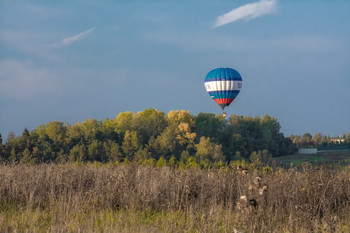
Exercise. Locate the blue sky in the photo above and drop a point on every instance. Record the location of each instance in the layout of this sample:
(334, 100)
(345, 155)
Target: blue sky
(94, 59)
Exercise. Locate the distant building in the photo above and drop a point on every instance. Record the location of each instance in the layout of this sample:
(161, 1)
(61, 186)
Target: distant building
(307, 151)
(337, 140)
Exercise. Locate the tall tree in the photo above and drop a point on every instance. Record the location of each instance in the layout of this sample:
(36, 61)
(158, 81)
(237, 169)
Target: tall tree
(207, 150)
(108, 130)
(209, 125)
(56, 131)
(317, 139)
(90, 129)
(78, 153)
(10, 136)
(149, 122)
(178, 117)
(130, 144)
(95, 151)
(113, 151)
(125, 121)
(306, 140)
(165, 144)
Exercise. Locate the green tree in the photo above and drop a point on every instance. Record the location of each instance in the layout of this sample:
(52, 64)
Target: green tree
(108, 130)
(46, 151)
(149, 162)
(56, 137)
(113, 151)
(208, 150)
(243, 145)
(78, 154)
(27, 140)
(74, 134)
(148, 134)
(296, 139)
(347, 138)
(95, 151)
(27, 157)
(165, 144)
(10, 136)
(178, 117)
(90, 130)
(209, 125)
(130, 144)
(41, 132)
(306, 140)
(149, 123)
(56, 131)
(259, 134)
(13, 156)
(172, 161)
(142, 154)
(184, 156)
(206, 164)
(191, 163)
(161, 162)
(184, 137)
(317, 139)
(36, 154)
(61, 156)
(125, 121)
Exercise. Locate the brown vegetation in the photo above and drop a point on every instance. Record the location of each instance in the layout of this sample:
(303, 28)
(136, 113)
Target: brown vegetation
(127, 198)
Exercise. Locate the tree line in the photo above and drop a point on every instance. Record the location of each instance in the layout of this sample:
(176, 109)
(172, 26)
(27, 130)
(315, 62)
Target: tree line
(151, 135)
(319, 140)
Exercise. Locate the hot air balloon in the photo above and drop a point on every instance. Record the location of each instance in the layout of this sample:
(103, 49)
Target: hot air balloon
(223, 85)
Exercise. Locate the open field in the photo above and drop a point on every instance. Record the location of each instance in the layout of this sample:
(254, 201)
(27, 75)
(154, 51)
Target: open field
(328, 157)
(133, 198)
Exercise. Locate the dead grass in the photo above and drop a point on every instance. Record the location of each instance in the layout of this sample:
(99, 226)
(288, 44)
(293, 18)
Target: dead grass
(106, 198)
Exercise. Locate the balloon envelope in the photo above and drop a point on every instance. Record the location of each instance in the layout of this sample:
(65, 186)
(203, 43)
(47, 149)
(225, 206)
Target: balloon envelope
(223, 85)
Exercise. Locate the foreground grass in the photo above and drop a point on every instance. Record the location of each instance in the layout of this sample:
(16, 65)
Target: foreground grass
(214, 220)
(90, 198)
(36, 220)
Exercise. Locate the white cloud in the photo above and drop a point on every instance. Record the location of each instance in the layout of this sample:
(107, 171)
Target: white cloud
(248, 11)
(22, 80)
(72, 39)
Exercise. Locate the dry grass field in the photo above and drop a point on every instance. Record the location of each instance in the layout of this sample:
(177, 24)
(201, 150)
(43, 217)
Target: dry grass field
(134, 198)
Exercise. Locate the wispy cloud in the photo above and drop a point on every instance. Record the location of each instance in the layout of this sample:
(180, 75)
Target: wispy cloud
(72, 39)
(248, 11)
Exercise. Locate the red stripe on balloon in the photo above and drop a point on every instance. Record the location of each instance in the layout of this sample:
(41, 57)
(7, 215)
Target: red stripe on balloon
(223, 101)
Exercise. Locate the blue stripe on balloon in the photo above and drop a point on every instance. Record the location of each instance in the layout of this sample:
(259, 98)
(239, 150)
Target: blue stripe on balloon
(223, 79)
(224, 94)
(223, 73)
